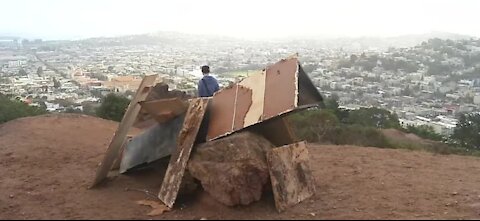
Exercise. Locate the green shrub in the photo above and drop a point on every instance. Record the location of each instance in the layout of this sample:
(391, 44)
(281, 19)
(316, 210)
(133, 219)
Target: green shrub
(312, 125)
(424, 131)
(13, 109)
(113, 107)
(374, 117)
(357, 135)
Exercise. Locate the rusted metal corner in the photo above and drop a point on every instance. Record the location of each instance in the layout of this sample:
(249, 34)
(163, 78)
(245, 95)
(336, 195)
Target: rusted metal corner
(307, 92)
(278, 89)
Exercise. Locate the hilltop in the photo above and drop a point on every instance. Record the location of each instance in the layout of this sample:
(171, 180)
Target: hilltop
(47, 162)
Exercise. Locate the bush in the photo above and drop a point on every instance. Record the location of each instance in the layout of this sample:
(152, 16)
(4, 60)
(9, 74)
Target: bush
(113, 107)
(13, 109)
(323, 126)
(467, 132)
(312, 125)
(424, 131)
(373, 117)
(363, 128)
(358, 136)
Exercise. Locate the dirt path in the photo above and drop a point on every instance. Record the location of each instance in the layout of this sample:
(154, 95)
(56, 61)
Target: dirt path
(46, 164)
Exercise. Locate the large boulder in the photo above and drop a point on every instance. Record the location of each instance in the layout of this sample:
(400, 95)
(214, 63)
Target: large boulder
(234, 169)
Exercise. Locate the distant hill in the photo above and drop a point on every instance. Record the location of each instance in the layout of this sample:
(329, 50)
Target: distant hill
(164, 38)
(4, 37)
(360, 43)
(382, 43)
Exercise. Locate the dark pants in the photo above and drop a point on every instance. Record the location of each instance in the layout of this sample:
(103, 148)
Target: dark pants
(203, 131)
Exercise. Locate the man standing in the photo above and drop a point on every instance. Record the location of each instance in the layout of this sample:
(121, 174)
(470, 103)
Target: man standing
(208, 85)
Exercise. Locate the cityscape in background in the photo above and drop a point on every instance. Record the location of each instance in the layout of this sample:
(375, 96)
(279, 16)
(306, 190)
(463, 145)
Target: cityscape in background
(425, 80)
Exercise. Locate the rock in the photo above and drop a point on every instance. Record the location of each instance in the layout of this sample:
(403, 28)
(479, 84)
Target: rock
(188, 185)
(233, 170)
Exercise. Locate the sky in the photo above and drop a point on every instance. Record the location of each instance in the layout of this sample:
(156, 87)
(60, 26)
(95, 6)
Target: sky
(252, 19)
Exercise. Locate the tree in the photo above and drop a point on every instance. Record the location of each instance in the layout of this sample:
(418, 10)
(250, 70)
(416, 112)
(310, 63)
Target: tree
(407, 91)
(97, 93)
(374, 117)
(332, 105)
(89, 108)
(13, 109)
(72, 110)
(39, 71)
(353, 58)
(56, 83)
(22, 72)
(467, 132)
(113, 107)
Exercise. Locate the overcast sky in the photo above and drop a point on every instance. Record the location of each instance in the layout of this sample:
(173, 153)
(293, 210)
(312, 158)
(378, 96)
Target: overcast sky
(67, 19)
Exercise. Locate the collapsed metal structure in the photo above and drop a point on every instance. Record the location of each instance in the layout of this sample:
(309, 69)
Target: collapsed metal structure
(258, 103)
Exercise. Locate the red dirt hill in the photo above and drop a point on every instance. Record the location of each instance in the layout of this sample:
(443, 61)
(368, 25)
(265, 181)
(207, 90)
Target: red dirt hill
(47, 163)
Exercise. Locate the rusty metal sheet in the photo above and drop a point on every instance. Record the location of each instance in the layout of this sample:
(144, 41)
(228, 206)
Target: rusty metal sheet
(221, 112)
(185, 141)
(243, 102)
(229, 109)
(154, 143)
(291, 176)
(274, 92)
(115, 146)
(164, 109)
(256, 83)
(280, 88)
(276, 130)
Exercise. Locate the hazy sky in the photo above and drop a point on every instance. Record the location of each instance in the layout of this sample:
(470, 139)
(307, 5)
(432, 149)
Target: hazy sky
(60, 19)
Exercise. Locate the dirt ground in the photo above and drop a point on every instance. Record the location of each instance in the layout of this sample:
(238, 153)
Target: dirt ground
(47, 163)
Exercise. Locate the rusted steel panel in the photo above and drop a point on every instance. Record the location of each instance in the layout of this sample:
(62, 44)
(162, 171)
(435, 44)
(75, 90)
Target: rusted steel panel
(307, 92)
(164, 109)
(276, 130)
(280, 88)
(229, 110)
(154, 143)
(128, 119)
(222, 112)
(291, 176)
(178, 162)
(243, 102)
(275, 91)
(256, 83)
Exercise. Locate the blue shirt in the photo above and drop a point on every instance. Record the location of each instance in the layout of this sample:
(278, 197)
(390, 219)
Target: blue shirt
(207, 86)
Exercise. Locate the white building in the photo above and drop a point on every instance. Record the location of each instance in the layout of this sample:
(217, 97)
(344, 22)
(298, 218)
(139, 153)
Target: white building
(476, 99)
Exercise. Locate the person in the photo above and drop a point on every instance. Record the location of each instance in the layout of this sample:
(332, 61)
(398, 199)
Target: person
(208, 85)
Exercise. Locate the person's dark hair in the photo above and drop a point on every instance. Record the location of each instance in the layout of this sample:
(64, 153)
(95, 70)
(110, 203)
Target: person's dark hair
(205, 69)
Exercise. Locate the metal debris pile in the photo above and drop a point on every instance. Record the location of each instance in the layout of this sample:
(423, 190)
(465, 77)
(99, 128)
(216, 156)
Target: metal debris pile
(258, 103)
